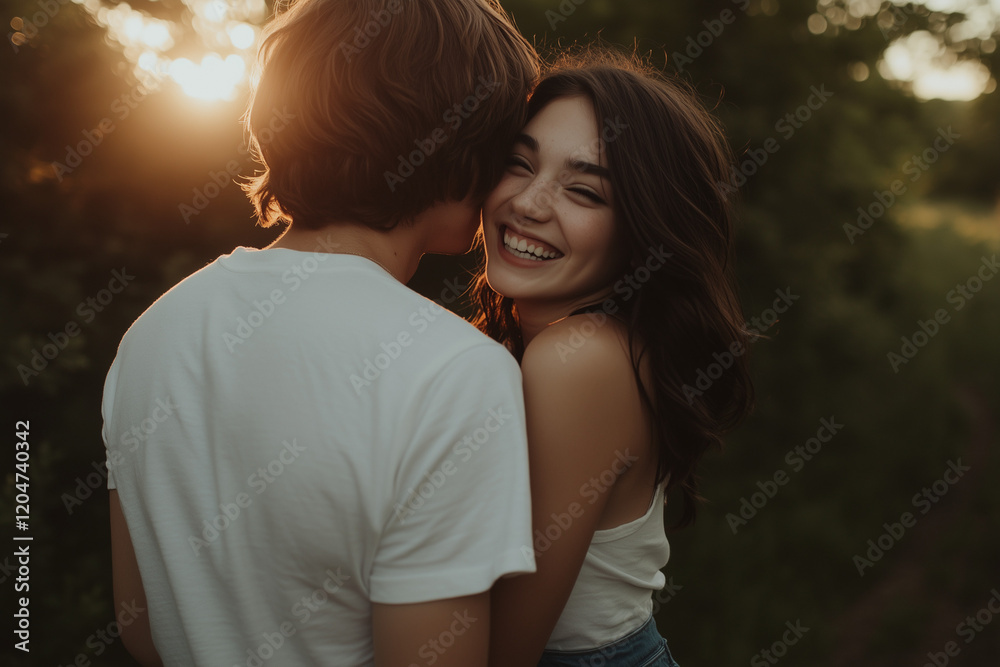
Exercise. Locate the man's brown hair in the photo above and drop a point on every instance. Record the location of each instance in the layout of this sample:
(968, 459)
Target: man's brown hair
(385, 107)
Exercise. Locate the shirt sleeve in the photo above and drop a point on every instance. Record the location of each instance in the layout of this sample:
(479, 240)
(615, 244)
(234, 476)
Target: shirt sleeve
(107, 401)
(112, 484)
(461, 514)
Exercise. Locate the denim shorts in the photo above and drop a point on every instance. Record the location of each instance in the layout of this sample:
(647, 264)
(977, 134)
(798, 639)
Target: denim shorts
(643, 647)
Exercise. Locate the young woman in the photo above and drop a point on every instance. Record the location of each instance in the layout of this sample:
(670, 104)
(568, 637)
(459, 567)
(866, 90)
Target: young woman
(609, 274)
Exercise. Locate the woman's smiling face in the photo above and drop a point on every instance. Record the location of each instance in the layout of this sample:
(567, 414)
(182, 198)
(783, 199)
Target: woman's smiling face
(549, 225)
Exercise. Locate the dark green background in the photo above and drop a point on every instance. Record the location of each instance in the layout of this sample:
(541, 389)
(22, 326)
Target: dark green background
(826, 357)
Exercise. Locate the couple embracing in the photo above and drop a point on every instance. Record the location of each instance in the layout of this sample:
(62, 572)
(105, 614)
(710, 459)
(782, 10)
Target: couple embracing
(354, 475)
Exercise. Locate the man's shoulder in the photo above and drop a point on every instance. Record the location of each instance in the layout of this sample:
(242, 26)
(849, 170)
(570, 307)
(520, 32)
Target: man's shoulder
(452, 344)
(194, 286)
(435, 325)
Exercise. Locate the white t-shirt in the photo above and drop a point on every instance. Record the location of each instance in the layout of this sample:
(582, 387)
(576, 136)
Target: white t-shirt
(296, 435)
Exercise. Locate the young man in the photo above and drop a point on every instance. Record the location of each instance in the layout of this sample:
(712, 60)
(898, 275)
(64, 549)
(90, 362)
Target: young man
(309, 463)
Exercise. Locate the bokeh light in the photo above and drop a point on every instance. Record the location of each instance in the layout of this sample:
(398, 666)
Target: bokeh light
(218, 36)
(213, 34)
(919, 59)
(933, 70)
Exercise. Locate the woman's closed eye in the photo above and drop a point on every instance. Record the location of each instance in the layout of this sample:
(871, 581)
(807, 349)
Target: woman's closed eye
(589, 194)
(516, 161)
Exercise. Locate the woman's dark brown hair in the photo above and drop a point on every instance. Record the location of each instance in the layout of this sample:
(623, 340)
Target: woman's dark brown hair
(666, 166)
(385, 107)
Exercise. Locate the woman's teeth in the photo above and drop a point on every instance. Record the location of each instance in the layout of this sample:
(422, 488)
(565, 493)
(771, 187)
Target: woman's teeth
(525, 249)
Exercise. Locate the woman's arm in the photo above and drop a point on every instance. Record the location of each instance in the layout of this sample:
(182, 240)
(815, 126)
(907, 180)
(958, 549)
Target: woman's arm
(579, 402)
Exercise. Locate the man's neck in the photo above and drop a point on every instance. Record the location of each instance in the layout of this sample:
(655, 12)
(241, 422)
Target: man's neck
(398, 251)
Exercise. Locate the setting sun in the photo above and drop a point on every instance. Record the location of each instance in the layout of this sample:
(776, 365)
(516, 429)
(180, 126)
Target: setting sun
(212, 79)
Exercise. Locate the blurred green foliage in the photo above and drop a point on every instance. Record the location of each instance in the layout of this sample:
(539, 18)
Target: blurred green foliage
(826, 358)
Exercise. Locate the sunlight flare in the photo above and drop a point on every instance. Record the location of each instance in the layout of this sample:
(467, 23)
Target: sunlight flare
(225, 31)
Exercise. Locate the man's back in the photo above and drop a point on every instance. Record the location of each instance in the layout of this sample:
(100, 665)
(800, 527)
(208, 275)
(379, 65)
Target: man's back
(294, 436)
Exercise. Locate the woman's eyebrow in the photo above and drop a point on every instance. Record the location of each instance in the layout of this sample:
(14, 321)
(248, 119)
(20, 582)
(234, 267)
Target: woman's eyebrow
(588, 168)
(528, 140)
(575, 164)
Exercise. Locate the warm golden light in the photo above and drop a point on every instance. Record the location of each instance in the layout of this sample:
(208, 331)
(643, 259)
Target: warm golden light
(225, 28)
(242, 35)
(156, 35)
(132, 26)
(213, 79)
(215, 11)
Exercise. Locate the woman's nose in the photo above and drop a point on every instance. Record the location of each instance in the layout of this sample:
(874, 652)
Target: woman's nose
(534, 202)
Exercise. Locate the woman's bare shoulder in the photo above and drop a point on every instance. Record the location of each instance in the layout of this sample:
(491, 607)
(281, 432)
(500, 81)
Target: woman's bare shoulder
(578, 342)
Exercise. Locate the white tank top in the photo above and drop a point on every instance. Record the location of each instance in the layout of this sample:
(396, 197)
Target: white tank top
(613, 594)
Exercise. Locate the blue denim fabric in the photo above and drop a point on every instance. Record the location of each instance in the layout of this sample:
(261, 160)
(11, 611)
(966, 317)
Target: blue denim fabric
(643, 647)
